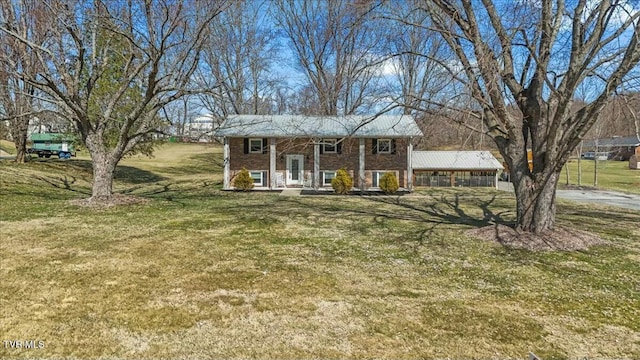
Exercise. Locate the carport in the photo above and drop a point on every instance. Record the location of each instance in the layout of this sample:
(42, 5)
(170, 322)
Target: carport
(455, 169)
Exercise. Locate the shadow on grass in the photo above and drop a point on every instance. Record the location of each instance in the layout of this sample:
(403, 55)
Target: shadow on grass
(127, 174)
(431, 214)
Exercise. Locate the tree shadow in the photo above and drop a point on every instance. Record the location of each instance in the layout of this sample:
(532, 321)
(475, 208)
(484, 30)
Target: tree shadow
(134, 175)
(63, 182)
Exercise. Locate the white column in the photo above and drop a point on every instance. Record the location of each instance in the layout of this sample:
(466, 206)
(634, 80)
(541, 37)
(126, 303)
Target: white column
(361, 152)
(409, 166)
(316, 163)
(496, 180)
(226, 181)
(272, 163)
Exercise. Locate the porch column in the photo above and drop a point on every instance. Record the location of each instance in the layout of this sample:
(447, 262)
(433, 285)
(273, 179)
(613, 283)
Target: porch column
(272, 163)
(361, 152)
(409, 166)
(496, 180)
(226, 181)
(316, 163)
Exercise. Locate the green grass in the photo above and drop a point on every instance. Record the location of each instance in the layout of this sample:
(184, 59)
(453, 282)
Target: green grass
(201, 273)
(612, 175)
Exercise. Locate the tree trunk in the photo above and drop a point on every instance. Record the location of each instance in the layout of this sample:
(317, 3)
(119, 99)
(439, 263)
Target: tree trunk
(104, 168)
(21, 148)
(535, 201)
(19, 131)
(102, 188)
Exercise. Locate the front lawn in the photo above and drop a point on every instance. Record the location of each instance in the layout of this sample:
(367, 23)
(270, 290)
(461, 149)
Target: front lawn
(201, 273)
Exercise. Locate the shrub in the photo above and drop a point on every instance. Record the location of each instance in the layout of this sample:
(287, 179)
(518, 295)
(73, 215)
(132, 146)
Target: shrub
(389, 183)
(342, 183)
(243, 181)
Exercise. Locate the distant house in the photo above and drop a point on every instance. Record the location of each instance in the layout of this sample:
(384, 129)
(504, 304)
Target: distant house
(306, 151)
(615, 148)
(201, 128)
(455, 168)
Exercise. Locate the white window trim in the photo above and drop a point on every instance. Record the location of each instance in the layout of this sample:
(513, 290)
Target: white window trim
(379, 173)
(324, 176)
(261, 172)
(379, 151)
(251, 151)
(335, 146)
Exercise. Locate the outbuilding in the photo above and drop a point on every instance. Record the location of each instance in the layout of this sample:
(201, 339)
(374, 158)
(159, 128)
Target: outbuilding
(455, 168)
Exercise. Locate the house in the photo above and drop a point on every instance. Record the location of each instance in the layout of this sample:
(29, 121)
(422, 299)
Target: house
(306, 151)
(455, 168)
(201, 128)
(614, 148)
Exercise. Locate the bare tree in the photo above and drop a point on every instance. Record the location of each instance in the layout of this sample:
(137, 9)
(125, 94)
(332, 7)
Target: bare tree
(237, 61)
(109, 67)
(535, 55)
(18, 62)
(335, 44)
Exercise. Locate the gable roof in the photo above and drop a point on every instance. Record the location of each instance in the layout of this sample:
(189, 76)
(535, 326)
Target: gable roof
(617, 141)
(454, 160)
(393, 126)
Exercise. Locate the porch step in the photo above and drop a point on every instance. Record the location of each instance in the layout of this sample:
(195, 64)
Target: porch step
(291, 192)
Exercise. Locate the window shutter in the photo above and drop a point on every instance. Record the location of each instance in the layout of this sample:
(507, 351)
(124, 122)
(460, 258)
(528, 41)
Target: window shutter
(374, 179)
(339, 146)
(265, 179)
(246, 145)
(265, 145)
(393, 146)
(321, 179)
(374, 147)
(322, 146)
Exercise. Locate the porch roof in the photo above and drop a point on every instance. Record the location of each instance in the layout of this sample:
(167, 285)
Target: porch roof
(285, 126)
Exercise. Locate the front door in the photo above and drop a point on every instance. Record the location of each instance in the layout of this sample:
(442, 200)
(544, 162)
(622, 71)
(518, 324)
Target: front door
(295, 169)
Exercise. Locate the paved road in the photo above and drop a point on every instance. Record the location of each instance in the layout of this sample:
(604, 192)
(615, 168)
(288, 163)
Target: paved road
(602, 197)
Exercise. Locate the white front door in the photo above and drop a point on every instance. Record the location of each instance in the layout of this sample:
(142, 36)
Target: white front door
(295, 169)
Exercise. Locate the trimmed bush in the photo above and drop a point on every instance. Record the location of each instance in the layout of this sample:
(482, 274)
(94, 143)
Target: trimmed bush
(342, 183)
(389, 183)
(243, 181)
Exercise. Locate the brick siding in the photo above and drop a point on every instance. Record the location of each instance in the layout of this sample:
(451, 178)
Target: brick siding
(348, 158)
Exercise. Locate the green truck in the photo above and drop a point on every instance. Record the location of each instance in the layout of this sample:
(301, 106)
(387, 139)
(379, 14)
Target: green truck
(47, 144)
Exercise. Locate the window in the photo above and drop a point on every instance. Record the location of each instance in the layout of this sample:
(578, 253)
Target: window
(255, 146)
(376, 175)
(257, 177)
(375, 178)
(327, 177)
(330, 146)
(384, 146)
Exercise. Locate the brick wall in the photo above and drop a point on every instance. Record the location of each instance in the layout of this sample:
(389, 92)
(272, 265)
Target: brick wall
(348, 158)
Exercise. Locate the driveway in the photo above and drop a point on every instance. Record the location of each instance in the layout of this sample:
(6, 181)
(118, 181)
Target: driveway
(602, 197)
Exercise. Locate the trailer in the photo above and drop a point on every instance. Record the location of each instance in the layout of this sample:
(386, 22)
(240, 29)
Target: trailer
(47, 144)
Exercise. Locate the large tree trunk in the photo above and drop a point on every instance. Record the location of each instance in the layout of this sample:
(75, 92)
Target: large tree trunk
(103, 172)
(104, 166)
(535, 201)
(19, 131)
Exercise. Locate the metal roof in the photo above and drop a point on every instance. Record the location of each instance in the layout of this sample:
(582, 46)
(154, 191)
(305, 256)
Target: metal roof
(617, 141)
(454, 160)
(393, 126)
